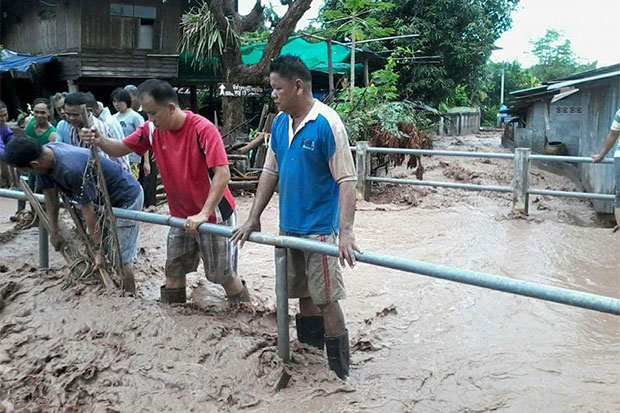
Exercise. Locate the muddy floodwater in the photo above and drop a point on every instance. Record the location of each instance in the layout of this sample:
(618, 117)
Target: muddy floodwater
(418, 344)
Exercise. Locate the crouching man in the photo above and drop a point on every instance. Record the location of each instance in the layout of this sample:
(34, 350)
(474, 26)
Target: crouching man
(66, 168)
(309, 154)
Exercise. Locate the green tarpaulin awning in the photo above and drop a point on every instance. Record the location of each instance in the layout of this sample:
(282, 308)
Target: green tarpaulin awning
(313, 54)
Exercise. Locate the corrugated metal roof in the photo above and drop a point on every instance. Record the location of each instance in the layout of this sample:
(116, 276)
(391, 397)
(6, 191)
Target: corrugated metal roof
(568, 83)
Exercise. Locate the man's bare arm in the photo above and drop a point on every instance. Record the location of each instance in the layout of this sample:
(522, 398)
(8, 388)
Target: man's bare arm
(346, 237)
(264, 192)
(112, 147)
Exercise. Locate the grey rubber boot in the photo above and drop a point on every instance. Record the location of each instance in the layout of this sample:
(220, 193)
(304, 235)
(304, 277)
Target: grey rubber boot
(338, 354)
(242, 297)
(173, 295)
(311, 330)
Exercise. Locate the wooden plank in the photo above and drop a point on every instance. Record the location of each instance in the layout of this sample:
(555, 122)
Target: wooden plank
(68, 249)
(105, 277)
(107, 204)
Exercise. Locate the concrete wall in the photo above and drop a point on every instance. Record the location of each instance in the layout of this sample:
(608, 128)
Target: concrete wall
(535, 121)
(565, 118)
(461, 121)
(600, 104)
(581, 121)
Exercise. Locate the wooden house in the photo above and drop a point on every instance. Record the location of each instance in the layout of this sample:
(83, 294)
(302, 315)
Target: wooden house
(97, 42)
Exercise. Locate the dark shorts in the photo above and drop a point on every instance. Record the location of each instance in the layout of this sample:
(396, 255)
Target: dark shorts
(218, 255)
(314, 275)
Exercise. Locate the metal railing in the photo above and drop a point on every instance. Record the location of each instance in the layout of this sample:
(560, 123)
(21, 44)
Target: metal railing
(520, 183)
(560, 295)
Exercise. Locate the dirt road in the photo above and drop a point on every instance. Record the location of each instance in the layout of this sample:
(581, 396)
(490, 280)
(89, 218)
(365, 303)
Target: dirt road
(419, 344)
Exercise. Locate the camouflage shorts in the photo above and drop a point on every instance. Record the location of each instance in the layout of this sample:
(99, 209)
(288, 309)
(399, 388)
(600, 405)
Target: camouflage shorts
(218, 255)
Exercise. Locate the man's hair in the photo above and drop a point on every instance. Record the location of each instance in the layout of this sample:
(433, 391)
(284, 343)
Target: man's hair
(161, 91)
(290, 67)
(121, 95)
(21, 151)
(90, 100)
(3, 105)
(44, 101)
(75, 99)
(58, 96)
(132, 89)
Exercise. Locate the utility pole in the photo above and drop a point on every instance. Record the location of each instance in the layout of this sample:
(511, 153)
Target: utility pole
(501, 96)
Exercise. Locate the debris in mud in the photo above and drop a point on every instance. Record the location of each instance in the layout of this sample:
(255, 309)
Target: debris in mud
(457, 172)
(364, 345)
(387, 311)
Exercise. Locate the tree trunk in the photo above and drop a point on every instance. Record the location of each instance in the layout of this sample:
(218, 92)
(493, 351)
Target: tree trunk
(233, 117)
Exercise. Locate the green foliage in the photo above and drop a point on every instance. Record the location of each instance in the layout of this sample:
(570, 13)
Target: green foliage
(461, 32)
(556, 58)
(201, 36)
(515, 78)
(357, 18)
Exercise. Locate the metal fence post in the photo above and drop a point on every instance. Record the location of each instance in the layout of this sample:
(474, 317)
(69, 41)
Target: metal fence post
(282, 304)
(43, 247)
(363, 170)
(521, 180)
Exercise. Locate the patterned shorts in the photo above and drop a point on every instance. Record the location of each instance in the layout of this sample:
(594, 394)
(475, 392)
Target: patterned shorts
(218, 255)
(314, 275)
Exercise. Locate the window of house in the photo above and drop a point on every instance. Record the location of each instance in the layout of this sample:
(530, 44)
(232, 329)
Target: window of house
(144, 12)
(146, 33)
(128, 10)
(124, 10)
(144, 16)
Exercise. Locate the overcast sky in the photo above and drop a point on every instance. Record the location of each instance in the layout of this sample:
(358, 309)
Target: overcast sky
(593, 27)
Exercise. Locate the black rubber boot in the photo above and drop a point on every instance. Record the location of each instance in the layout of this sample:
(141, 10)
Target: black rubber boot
(338, 354)
(311, 330)
(173, 295)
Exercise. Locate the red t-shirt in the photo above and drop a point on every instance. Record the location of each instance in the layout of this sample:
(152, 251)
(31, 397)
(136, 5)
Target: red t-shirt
(186, 158)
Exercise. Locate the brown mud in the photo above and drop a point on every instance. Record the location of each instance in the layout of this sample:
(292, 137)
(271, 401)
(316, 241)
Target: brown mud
(418, 344)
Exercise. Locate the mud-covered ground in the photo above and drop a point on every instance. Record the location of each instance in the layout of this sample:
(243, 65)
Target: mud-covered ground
(418, 344)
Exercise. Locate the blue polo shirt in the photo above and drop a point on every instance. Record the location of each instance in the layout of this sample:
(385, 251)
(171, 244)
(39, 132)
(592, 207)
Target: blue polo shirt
(310, 163)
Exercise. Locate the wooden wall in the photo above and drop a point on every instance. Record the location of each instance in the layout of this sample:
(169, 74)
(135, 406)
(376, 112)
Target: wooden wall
(76, 24)
(31, 27)
(132, 64)
(100, 30)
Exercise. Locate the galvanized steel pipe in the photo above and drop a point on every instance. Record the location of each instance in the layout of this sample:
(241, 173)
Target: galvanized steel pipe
(405, 151)
(569, 194)
(282, 303)
(560, 295)
(571, 159)
(469, 187)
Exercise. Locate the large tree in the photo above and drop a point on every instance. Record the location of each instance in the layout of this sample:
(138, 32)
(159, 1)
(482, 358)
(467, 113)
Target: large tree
(462, 33)
(556, 58)
(216, 26)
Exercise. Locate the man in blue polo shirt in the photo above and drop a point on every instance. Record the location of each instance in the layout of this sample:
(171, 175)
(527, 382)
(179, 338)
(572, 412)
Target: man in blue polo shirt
(309, 153)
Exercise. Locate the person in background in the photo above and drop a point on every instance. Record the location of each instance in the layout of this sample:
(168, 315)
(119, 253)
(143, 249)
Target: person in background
(612, 141)
(60, 119)
(6, 134)
(130, 120)
(148, 167)
(75, 117)
(114, 129)
(38, 127)
(135, 100)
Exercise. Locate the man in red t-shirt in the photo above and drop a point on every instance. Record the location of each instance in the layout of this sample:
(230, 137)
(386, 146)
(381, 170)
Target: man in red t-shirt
(193, 165)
